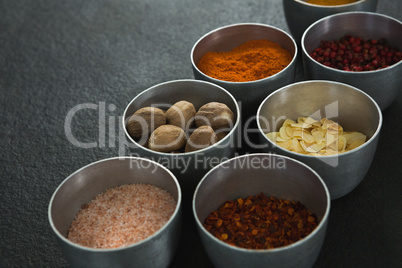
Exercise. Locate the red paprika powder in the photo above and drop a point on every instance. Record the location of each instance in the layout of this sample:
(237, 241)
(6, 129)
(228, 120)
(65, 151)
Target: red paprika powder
(253, 60)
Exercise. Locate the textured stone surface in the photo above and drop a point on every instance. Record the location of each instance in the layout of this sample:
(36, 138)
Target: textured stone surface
(59, 55)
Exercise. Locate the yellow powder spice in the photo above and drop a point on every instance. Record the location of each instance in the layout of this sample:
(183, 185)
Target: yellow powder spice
(331, 2)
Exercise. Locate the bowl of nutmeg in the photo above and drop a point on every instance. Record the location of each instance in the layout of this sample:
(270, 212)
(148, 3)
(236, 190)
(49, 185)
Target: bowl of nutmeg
(187, 125)
(362, 49)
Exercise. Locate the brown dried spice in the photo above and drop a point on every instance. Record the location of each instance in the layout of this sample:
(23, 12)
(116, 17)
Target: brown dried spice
(261, 222)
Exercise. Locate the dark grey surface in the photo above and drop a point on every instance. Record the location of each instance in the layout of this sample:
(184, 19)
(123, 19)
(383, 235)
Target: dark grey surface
(56, 55)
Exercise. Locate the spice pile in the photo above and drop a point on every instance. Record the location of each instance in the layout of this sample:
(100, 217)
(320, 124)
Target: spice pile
(353, 53)
(122, 216)
(313, 137)
(167, 131)
(261, 222)
(253, 60)
(331, 2)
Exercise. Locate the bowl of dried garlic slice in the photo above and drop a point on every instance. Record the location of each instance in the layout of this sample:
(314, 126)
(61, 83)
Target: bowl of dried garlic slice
(330, 126)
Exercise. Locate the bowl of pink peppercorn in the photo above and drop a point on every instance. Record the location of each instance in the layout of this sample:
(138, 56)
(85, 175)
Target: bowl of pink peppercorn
(362, 49)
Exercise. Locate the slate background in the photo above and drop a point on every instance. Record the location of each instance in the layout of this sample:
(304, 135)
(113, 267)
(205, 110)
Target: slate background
(55, 55)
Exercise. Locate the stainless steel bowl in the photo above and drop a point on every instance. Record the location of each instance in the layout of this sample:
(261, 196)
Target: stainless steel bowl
(83, 185)
(300, 15)
(190, 167)
(249, 94)
(353, 109)
(274, 175)
(382, 85)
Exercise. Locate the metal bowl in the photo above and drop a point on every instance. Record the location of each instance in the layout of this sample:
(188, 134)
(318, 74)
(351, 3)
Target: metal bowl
(353, 109)
(83, 185)
(382, 85)
(190, 167)
(249, 94)
(300, 14)
(274, 175)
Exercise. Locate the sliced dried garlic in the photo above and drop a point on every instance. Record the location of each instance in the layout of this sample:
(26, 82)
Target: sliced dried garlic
(309, 136)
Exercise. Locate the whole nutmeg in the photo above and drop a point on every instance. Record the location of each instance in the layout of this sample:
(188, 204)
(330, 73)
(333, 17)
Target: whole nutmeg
(144, 121)
(215, 114)
(220, 134)
(201, 138)
(181, 114)
(167, 138)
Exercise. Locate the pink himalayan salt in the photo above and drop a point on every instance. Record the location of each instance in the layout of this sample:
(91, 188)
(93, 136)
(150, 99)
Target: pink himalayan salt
(122, 216)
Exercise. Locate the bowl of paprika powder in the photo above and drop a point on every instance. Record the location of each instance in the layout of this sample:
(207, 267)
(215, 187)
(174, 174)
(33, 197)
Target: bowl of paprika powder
(250, 60)
(262, 210)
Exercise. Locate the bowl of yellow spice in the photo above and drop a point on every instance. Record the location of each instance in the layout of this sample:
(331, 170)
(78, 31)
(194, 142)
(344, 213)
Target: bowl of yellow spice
(250, 60)
(300, 14)
(330, 126)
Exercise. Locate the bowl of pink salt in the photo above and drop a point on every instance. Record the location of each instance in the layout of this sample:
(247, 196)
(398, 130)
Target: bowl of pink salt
(117, 212)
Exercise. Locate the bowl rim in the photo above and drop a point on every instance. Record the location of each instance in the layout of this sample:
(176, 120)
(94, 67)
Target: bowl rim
(375, 134)
(362, 13)
(321, 224)
(302, 2)
(121, 248)
(234, 128)
(222, 28)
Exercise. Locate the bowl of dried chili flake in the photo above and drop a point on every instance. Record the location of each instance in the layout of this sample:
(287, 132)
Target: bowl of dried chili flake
(262, 210)
(117, 212)
(362, 49)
